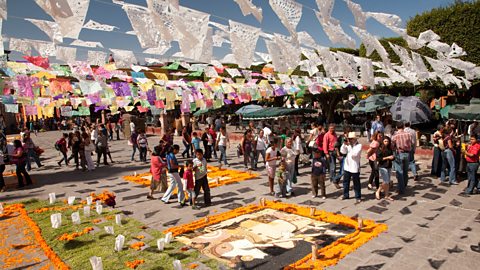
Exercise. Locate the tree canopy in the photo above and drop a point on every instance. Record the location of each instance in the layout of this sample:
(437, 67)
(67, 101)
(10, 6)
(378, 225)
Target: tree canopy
(454, 23)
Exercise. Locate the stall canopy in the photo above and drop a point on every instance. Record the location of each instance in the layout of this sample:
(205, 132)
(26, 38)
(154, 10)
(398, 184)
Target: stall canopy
(466, 112)
(373, 103)
(248, 109)
(270, 113)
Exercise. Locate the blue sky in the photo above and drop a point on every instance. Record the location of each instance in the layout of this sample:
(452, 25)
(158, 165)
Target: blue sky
(104, 11)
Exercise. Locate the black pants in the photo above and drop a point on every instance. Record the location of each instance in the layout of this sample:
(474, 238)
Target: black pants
(118, 134)
(102, 151)
(74, 156)
(374, 174)
(2, 181)
(202, 183)
(22, 173)
(208, 151)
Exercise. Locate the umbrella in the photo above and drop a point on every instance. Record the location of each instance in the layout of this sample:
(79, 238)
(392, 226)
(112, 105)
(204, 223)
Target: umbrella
(466, 112)
(410, 109)
(248, 109)
(373, 103)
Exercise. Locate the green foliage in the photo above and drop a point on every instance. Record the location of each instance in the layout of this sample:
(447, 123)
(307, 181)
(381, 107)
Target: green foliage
(346, 50)
(457, 23)
(76, 253)
(391, 54)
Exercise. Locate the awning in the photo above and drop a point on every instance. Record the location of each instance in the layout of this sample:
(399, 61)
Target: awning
(275, 112)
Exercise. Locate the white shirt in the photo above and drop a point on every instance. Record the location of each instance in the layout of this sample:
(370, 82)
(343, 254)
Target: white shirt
(272, 153)
(288, 154)
(209, 120)
(94, 135)
(261, 143)
(209, 139)
(222, 139)
(297, 145)
(413, 134)
(353, 156)
(132, 127)
(201, 168)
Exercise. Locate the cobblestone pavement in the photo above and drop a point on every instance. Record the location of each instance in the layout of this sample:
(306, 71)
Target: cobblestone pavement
(431, 227)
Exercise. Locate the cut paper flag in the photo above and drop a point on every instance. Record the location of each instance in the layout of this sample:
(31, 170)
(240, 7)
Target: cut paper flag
(66, 54)
(93, 25)
(38, 61)
(358, 14)
(3, 9)
(96, 57)
(244, 41)
(43, 48)
(90, 44)
(121, 88)
(123, 58)
(11, 108)
(60, 86)
(289, 12)
(20, 45)
(52, 29)
(31, 110)
(69, 14)
(372, 44)
(66, 111)
(161, 49)
(90, 87)
(325, 8)
(389, 20)
(248, 8)
(143, 25)
(163, 18)
(192, 26)
(456, 51)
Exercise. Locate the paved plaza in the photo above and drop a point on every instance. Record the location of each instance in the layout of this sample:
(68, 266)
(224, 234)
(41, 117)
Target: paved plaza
(431, 227)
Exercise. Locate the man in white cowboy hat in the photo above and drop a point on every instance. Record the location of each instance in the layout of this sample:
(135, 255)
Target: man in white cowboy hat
(352, 150)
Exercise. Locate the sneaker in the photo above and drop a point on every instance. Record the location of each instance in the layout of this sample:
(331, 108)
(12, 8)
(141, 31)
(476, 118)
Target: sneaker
(59, 164)
(324, 198)
(454, 183)
(359, 200)
(313, 196)
(150, 197)
(196, 207)
(369, 186)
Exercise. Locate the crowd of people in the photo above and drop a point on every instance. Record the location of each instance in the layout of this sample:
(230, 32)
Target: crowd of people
(331, 156)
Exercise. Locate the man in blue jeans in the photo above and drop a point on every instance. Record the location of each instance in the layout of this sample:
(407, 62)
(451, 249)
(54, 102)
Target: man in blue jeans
(402, 143)
(352, 150)
(471, 156)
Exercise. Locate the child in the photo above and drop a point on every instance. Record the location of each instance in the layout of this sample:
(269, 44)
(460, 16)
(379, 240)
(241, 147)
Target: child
(188, 176)
(281, 174)
(196, 141)
(201, 180)
(318, 173)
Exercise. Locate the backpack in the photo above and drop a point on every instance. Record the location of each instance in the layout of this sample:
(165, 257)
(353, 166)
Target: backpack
(57, 146)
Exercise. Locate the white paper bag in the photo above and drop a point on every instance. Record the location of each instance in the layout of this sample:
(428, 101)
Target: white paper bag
(161, 244)
(52, 198)
(98, 202)
(168, 238)
(89, 200)
(76, 218)
(56, 220)
(96, 263)
(119, 241)
(99, 209)
(177, 265)
(1, 208)
(71, 200)
(86, 211)
(118, 219)
(109, 229)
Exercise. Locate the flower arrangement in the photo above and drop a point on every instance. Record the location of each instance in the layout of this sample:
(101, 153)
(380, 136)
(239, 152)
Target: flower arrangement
(106, 197)
(134, 264)
(140, 237)
(327, 256)
(137, 245)
(232, 176)
(69, 237)
(20, 208)
(95, 221)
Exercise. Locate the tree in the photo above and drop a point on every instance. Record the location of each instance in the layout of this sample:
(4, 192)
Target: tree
(454, 23)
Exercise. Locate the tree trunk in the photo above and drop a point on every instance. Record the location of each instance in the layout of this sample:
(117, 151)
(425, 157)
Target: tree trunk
(328, 103)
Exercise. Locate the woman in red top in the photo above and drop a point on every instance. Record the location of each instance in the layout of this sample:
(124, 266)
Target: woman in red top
(159, 173)
(20, 159)
(471, 156)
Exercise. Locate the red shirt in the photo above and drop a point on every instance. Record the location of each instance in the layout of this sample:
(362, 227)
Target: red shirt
(156, 167)
(402, 141)
(188, 175)
(329, 140)
(475, 150)
(320, 141)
